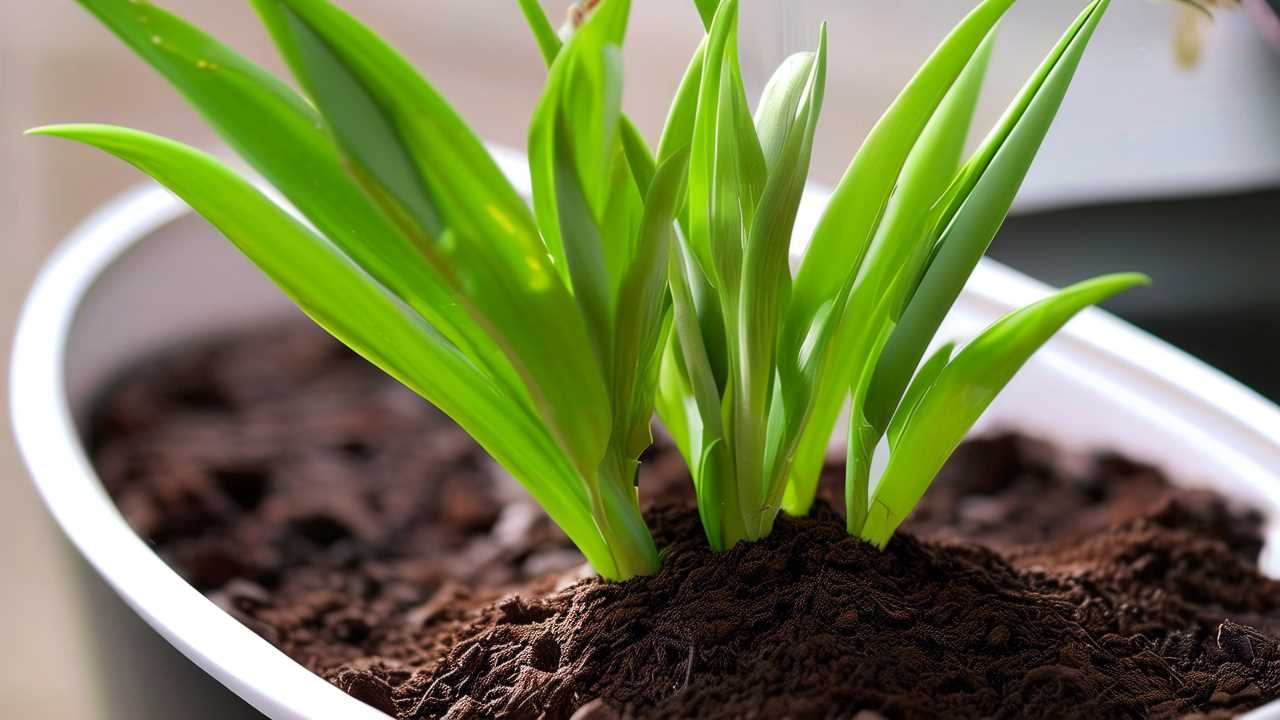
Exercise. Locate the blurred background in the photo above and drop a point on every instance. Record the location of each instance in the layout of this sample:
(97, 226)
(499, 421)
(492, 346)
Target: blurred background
(1156, 163)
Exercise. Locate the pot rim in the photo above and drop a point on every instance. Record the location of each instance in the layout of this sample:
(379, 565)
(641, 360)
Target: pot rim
(1247, 439)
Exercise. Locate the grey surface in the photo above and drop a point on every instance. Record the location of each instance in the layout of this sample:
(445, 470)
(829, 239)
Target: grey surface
(165, 679)
(1213, 262)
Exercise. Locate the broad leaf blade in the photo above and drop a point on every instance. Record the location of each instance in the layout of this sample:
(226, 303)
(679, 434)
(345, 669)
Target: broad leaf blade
(642, 304)
(819, 316)
(606, 26)
(495, 257)
(964, 389)
(283, 138)
(355, 309)
(985, 194)
(846, 227)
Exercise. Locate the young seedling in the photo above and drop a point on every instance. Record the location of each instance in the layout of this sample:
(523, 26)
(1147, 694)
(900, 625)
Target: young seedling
(761, 363)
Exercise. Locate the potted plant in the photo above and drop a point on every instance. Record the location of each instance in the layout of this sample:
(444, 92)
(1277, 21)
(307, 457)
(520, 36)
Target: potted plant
(550, 334)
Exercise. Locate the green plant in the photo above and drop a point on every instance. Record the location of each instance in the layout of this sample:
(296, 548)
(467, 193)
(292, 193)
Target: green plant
(421, 256)
(761, 364)
(550, 334)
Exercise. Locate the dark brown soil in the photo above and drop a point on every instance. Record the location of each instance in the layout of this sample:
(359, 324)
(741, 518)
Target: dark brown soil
(348, 523)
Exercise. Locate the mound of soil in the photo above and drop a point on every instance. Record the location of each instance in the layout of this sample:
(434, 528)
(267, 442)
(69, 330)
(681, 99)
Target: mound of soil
(348, 523)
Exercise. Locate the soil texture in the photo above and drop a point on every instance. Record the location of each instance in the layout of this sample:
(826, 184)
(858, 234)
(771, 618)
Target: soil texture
(348, 523)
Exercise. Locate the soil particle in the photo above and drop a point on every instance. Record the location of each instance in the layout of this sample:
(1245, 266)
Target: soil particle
(352, 526)
(809, 623)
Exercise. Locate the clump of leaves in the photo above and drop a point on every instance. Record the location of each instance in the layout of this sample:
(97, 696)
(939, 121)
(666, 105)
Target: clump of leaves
(762, 362)
(540, 337)
(549, 334)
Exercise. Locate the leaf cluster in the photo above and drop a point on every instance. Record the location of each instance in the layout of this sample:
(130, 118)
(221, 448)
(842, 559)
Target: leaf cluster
(637, 278)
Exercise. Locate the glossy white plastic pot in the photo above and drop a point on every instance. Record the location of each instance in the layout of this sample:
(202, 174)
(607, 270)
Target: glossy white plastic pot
(144, 273)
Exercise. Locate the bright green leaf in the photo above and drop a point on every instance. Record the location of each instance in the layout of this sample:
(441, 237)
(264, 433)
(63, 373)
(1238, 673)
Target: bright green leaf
(283, 138)
(964, 389)
(543, 34)
(339, 296)
(986, 191)
(374, 101)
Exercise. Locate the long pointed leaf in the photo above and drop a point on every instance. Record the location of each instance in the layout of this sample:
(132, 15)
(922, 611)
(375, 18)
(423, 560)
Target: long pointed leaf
(846, 227)
(545, 35)
(726, 166)
(582, 243)
(766, 273)
(606, 26)
(988, 186)
(492, 248)
(874, 230)
(283, 138)
(706, 11)
(642, 307)
(677, 134)
(964, 389)
(355, 309)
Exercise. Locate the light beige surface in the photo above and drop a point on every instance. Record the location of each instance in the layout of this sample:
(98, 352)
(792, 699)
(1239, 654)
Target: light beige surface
(1131, 123)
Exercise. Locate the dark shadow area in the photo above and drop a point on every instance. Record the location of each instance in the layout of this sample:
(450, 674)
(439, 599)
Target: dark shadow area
(1215, 263)
(142, 675)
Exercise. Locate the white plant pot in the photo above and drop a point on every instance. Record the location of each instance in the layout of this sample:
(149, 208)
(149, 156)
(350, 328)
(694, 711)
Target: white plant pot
(144, 274)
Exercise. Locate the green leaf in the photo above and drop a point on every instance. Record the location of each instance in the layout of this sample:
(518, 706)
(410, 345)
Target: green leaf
(283, 138)
(677, 134)
(545, 35)
(726, 167)
(642, 304)
(983, 195)
(582, 244)
(677, 131)
(776, 113)
(924, 380)
(706, 11)
(964, 389)
(903, 242)
(366, 131)
(825, 342)
(352, 306)
(788, 119)
(578, 76)
(847, 226)
(692, 356)
(689, 400)
(378, 106)
(639, 158)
